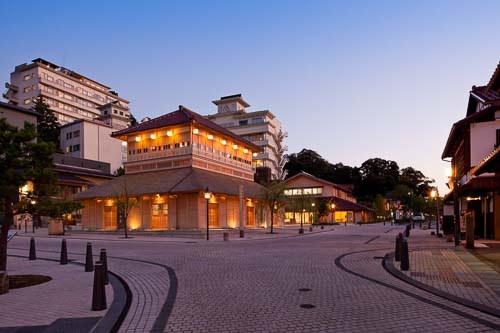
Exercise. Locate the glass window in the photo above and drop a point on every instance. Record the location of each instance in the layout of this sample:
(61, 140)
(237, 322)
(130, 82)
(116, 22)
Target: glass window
(27, 101)
(243, 122)
(27, 77)
(76, 134)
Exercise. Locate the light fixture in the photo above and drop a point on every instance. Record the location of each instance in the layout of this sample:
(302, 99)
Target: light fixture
(138, 138)
(433, 193)
(223, 141)
(235, 146)
(313, 204)
(195, 131)
(254, 154)
(124, 143)
(33, 202)
(169, 133)
(210, 137)
(153, 136)
(207, 194)
(245, 151)
(333, 206)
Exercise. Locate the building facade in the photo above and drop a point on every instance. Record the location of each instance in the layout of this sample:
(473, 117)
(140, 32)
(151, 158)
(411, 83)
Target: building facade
(171, 162)
(91, 140)
(305, 194)
(260, 127)
(70, 95)
(472, 146)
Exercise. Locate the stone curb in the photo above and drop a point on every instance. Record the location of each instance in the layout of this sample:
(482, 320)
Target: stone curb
(388, 264)
(122, 298)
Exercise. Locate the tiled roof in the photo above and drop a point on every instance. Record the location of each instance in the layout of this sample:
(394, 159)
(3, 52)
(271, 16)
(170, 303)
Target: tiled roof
(342, 204)
(344, 187)
(182, 116)
(488, 163)
(184, 180)
(485, 94)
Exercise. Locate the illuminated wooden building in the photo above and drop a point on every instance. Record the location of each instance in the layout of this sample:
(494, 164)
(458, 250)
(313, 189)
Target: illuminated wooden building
(171, 160)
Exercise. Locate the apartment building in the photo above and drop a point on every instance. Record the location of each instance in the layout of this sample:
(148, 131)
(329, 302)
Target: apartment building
(473, 147)
(259, 127)
(173, 161)
(70, 95)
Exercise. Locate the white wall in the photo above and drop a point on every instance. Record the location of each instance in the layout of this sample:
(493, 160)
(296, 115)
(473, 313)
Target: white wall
(100, 146)
(482, 140)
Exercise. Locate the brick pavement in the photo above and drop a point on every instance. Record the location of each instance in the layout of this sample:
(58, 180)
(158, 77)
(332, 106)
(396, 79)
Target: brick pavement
(255, 285)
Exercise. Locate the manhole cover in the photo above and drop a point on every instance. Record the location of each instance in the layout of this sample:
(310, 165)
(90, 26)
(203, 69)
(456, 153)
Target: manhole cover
(304, 289)
(307, 306)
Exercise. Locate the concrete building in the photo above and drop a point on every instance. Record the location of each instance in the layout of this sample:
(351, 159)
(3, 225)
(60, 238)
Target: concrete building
(91, 140)
(70, 95)
(473, 147)
(305, 193)
(259, 127)
(171, 161)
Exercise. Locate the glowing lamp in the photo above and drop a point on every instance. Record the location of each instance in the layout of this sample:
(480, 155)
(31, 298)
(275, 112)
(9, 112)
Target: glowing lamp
(153, 136)
(223, 142)
(210, 137)
(138, 138)
(235, 146)
(169, 133)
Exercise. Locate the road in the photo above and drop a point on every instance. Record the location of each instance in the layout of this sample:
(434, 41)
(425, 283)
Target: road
(331, 281)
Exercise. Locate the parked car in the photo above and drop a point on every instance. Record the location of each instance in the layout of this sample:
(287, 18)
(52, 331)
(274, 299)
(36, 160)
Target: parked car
(418, 217)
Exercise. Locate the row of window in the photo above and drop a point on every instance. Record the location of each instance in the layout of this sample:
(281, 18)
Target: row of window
(116, 112)
(78, 89)
(68, 107)
(73, 148)
(159, 148)
(221, 153)
(304, 191)
(67, 96)
(74, 134)
(255, 137)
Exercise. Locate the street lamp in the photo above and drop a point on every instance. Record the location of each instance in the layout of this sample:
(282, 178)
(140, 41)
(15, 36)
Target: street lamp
(207, 195)
(434, 194)
(312, 213)
(333, 212)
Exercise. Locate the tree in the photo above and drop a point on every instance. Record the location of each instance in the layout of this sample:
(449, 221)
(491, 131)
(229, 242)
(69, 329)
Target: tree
(124, 203)
(48, 125)
(308, 161)
(20, 162)
(120, 171)
(133, 121)
(379, 206)
(272, 196)
(323, 208)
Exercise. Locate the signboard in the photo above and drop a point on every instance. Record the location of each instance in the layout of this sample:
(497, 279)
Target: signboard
(11, 235)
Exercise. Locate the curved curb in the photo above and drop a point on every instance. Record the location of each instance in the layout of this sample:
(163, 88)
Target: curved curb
(388, 265)
(117, 311)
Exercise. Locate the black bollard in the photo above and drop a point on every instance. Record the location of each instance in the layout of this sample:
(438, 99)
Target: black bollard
(104, 260)
(322, 227)
(64, 253)
(89, 262)
(310, 228)
(32, 249)
(405, 258)
(301, 231)
(407, 231)
(99, 291)
(399, 243)
(242, 233)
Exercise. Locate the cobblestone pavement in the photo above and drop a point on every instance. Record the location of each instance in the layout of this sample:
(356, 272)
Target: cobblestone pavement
(67, 295)
(330, 281)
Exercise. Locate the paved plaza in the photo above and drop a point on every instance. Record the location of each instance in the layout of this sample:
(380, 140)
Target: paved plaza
(328, 280)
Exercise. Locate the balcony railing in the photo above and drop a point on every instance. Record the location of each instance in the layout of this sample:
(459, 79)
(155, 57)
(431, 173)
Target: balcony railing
(159, 154)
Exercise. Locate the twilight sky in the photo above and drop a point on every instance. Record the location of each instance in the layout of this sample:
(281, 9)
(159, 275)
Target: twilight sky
(351, 80)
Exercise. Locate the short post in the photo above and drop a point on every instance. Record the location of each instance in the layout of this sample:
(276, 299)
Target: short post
(4, 282)
(405, 258)
(242, 233)
(311, 228)
(99, 291)
(225, 236)
(89, 262)
(104, 261)
(301, 231)
(64, 253)
(322, 227)
(345, 223)
(407, 231)
(32, 249)
(399, 243)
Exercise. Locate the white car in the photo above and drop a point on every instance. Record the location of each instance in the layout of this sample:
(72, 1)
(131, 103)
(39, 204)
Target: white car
(418, 217)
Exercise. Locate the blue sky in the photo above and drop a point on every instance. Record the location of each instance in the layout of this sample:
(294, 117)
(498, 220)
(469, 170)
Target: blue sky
(351, 80)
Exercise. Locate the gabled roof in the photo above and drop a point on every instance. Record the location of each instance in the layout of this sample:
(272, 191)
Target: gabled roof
(183, 180)
(342, 204)
(494, 83)
(182, 116)
(308, 175)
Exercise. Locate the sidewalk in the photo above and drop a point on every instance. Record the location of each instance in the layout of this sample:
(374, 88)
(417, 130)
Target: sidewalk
(62, 303)
(453, 273)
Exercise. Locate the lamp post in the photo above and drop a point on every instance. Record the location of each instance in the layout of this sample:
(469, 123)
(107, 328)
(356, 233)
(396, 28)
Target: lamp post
(207, 195)
(312, 213)
(434, 194)
(333, 212)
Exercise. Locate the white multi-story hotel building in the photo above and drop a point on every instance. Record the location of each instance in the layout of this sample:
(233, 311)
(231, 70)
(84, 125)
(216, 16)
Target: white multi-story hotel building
(70, 95)
(262, 128)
